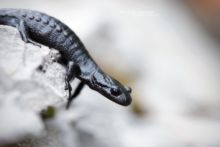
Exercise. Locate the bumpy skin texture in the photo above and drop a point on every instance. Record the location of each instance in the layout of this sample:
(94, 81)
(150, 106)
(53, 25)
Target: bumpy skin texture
(39, 28)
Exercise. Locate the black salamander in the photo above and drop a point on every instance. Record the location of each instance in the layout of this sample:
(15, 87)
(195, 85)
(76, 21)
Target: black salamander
(41, 29)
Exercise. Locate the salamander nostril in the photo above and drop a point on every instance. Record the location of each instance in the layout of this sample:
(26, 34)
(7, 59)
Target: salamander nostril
(115, 92)
(128, 89)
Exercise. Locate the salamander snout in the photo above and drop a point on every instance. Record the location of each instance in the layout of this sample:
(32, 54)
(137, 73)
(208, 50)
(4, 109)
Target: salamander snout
(128, 89)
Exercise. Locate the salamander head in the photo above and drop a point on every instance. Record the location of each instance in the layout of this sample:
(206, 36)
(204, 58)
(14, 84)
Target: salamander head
(110, 88)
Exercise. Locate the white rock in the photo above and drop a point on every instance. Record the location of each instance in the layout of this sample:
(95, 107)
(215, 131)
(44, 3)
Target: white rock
(24, 90)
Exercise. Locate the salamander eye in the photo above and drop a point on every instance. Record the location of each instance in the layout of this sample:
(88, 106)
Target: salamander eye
(115, 91)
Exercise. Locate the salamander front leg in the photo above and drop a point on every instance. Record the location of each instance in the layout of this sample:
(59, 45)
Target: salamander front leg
(76, 93)
(22, 28)
(72, 71)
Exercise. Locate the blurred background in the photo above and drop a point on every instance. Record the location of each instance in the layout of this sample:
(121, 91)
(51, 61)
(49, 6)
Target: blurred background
(167, 51)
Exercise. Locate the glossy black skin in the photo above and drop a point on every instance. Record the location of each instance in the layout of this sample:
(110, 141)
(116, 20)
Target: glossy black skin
(39, 28)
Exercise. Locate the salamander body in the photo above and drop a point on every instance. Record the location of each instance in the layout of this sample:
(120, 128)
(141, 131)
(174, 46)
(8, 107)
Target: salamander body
(41, 29)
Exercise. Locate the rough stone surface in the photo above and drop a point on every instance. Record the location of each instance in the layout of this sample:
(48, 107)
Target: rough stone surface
(19, 61)
(24, 90)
